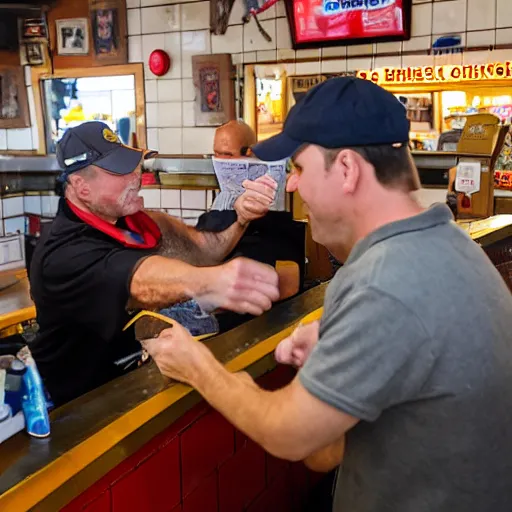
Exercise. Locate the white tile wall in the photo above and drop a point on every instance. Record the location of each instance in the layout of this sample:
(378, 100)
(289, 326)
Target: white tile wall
(151, 90)
(172, 45)
(188, 90)
(135, 49)
(168, 90)
(504, 13)
(133, 17)
(334, 66)
(171, 198)
(170, 141)
(231, 42)
(188, 113)
(481, 38)
(32, 204)
(152, 139)
(481, 15)
(198, 141)
(253, 40)
(193, 199)
(449, 17)
(503, 36)
(19, 139)
(161, 19)
(151, 198)
(421, 20)
(169, 114)
(195, 42)
(49, 205)
(151, 115)
(209, 198)
(195, 16)
(14, 225)
(12, 206)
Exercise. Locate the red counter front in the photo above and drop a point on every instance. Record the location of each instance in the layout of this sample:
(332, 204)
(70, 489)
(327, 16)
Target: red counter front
(201, 463)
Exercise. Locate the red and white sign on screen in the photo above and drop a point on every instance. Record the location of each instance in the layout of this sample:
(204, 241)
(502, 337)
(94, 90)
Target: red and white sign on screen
(330, 22)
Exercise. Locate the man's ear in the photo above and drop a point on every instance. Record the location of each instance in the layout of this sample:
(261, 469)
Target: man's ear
(80, 186)
(348, 163)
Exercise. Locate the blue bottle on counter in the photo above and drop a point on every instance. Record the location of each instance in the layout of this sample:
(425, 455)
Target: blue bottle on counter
(34, 402)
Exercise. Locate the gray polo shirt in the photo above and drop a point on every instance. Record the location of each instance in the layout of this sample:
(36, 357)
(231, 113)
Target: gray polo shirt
(416, 342)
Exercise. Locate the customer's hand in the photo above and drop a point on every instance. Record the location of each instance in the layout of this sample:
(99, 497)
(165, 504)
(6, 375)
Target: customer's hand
(295, 349)
(255, 202)
(241, 285)
(176, 353)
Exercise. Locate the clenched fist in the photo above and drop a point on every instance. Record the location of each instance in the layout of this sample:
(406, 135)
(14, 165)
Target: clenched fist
(241, 285)
(295, 349)
(255, 202)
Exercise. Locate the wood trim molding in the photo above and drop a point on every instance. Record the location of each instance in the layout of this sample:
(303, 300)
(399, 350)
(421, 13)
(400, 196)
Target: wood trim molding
(250, 97)
(137, 70)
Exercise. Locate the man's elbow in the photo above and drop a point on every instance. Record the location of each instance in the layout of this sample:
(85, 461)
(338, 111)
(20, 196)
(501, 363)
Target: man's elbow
(143, 297)
(283, 448)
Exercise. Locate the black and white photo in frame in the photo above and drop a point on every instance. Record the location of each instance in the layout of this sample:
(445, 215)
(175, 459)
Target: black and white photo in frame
(34, 54)
(73, 36)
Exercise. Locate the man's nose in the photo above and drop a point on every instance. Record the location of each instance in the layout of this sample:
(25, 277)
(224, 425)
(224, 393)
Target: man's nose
(292, 182)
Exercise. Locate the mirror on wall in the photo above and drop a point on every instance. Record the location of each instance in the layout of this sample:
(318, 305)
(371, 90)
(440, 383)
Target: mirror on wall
(66, 98)
(70, 102)
(270, 106)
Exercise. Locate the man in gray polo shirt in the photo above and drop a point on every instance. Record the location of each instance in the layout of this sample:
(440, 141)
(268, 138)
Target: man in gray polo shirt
(407, 381)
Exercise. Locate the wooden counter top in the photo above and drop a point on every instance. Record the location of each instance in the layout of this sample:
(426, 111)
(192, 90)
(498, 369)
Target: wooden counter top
(94, 433)
(488, 231)
(16, 306)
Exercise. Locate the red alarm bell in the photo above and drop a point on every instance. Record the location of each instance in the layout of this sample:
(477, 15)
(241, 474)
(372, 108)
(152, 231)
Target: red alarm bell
(159, 62)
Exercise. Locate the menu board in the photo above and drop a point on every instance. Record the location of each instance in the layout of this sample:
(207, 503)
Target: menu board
(317, 23)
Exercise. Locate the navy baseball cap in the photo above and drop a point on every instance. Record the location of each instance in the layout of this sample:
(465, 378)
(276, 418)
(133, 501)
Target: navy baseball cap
(340, 112)
(95, 143)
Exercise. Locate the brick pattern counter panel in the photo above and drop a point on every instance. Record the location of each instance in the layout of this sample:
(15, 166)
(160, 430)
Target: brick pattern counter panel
(201, 463)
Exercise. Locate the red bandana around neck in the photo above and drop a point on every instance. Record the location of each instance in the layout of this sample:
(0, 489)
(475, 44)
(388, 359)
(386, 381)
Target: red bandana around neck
(139, 223)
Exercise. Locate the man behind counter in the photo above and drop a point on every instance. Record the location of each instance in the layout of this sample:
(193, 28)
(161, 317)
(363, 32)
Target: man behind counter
(99, 258)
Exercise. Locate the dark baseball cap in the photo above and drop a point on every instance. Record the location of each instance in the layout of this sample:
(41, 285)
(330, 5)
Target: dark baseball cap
(95, 143)
(340, 112)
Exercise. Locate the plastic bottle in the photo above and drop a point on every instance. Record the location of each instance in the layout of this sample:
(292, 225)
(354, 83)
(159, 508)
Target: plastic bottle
(34, 402)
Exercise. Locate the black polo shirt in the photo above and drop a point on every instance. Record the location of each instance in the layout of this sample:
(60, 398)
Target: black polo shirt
(79, 280)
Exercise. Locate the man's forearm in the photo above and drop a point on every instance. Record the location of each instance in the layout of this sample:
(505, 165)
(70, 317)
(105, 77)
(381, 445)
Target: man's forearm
(159, 281)
(262, 415)
(219, 245)
(199, 248)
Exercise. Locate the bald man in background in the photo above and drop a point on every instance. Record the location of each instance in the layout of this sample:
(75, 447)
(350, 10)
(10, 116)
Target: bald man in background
(275, 237)
(232, 140)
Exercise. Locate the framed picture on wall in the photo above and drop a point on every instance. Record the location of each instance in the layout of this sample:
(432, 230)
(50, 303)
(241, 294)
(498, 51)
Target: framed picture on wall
(13, 98)
(319, 23)
(72, 36)
(215, 92)
(108, 24)
(34, 53)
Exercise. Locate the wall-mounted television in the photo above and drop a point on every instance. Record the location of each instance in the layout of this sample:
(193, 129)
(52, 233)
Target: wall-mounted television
(319, 23)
